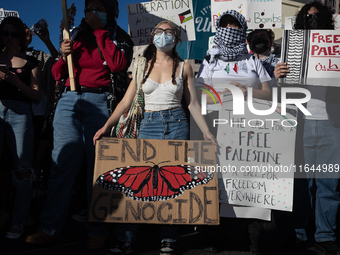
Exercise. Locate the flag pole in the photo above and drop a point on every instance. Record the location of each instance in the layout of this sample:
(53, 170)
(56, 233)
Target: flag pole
(67, 36)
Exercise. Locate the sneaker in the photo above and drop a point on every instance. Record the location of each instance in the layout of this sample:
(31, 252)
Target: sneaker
(167, 248)
(39, 238)
(95, 242)
(121, 248)
(15, 232)
(328, 248)
(81, 216)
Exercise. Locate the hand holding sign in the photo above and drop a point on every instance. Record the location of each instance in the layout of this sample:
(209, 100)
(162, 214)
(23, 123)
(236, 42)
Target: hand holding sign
(66, 48)
(67, 36)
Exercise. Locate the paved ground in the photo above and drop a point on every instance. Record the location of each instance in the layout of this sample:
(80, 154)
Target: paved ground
(234, 239)
(191, 242)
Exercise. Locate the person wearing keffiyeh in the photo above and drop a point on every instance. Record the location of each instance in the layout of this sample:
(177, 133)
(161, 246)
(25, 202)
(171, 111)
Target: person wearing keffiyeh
(99, 49)
(260, 42)
(230, 39)
(229, 62)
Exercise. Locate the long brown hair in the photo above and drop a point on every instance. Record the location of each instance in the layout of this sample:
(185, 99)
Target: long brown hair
(150, 52)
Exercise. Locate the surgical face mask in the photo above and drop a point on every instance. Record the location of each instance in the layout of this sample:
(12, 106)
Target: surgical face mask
(259, 45)
(164, 42)
(102, 16)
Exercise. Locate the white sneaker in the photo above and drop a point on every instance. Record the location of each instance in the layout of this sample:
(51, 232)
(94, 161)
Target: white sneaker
(167, 248)
(81, 216)
(15, 232)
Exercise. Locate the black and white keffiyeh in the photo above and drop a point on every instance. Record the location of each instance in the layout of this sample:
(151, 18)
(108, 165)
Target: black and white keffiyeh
(231, 42)
(269, 63)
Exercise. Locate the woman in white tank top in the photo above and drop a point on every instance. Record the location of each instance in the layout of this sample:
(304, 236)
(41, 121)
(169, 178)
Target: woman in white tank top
(167, 79)
(164, 84)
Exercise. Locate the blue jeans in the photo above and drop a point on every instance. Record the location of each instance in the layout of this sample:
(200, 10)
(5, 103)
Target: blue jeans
(321, 142)
(162, 125)
(78, 117)
(17, 127)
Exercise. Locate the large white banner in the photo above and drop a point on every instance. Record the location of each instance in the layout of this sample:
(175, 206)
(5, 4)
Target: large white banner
(259, 14)
(256, 159)
(313, 57)
(7, 13)
(144, 16)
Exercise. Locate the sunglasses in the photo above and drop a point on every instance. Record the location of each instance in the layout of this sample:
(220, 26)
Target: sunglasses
(169, 31)
(310, 16)
(88, 9)
(13, 34)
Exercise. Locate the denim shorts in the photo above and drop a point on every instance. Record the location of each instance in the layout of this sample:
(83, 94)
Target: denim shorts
(165, 125)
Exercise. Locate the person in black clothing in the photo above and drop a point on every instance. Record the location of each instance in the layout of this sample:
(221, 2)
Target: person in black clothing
(19, 79)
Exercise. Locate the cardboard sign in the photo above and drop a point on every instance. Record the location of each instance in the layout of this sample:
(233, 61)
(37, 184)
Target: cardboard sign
(144, 16)
(162, 182)
(256, 156)
(313, 57)
(7, 13)
(264, 14)
(290, 21)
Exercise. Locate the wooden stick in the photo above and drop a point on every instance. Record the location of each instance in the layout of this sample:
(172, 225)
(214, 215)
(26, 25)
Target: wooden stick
(67, 36)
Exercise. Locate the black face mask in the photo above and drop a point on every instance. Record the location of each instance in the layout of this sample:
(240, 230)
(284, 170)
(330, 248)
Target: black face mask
(259, 45)
(312, 23)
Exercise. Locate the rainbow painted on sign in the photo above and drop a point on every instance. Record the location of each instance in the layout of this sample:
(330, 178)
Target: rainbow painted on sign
(205, 88)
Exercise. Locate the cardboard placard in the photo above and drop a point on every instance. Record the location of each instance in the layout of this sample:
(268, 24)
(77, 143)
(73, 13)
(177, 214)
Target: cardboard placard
(149, 173)
(313, 57)
(144, 16)
(256, 156)
(264, 14)
(7, 13)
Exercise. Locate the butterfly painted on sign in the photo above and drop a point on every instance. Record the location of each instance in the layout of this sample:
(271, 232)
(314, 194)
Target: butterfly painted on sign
(153, 183)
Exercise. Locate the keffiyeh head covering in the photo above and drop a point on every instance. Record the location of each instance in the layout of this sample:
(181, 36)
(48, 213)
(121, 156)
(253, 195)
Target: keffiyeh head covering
(230, 42)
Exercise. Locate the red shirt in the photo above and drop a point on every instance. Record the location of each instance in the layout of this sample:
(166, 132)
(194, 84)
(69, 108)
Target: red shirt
(89, 68)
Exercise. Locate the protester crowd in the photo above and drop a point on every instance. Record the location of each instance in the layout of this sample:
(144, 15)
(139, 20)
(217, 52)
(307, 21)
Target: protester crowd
(101, 53)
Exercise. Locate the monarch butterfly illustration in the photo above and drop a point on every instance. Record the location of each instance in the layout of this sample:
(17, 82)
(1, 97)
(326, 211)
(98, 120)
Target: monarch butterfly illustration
(153, 183)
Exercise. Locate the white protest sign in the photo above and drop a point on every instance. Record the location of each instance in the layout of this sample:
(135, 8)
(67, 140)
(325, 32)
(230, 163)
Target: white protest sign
(289, 21)
(239, 211)
(7, 13)
(313, 57)
(144, 16)
(264, 14)
(256, 156)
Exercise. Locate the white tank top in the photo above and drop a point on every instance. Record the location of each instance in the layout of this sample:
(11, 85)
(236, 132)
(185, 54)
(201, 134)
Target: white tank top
(159, 97)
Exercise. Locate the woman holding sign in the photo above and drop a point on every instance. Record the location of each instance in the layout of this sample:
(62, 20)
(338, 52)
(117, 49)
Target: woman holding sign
(166, 80)
(229, 63)
(99, 47)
